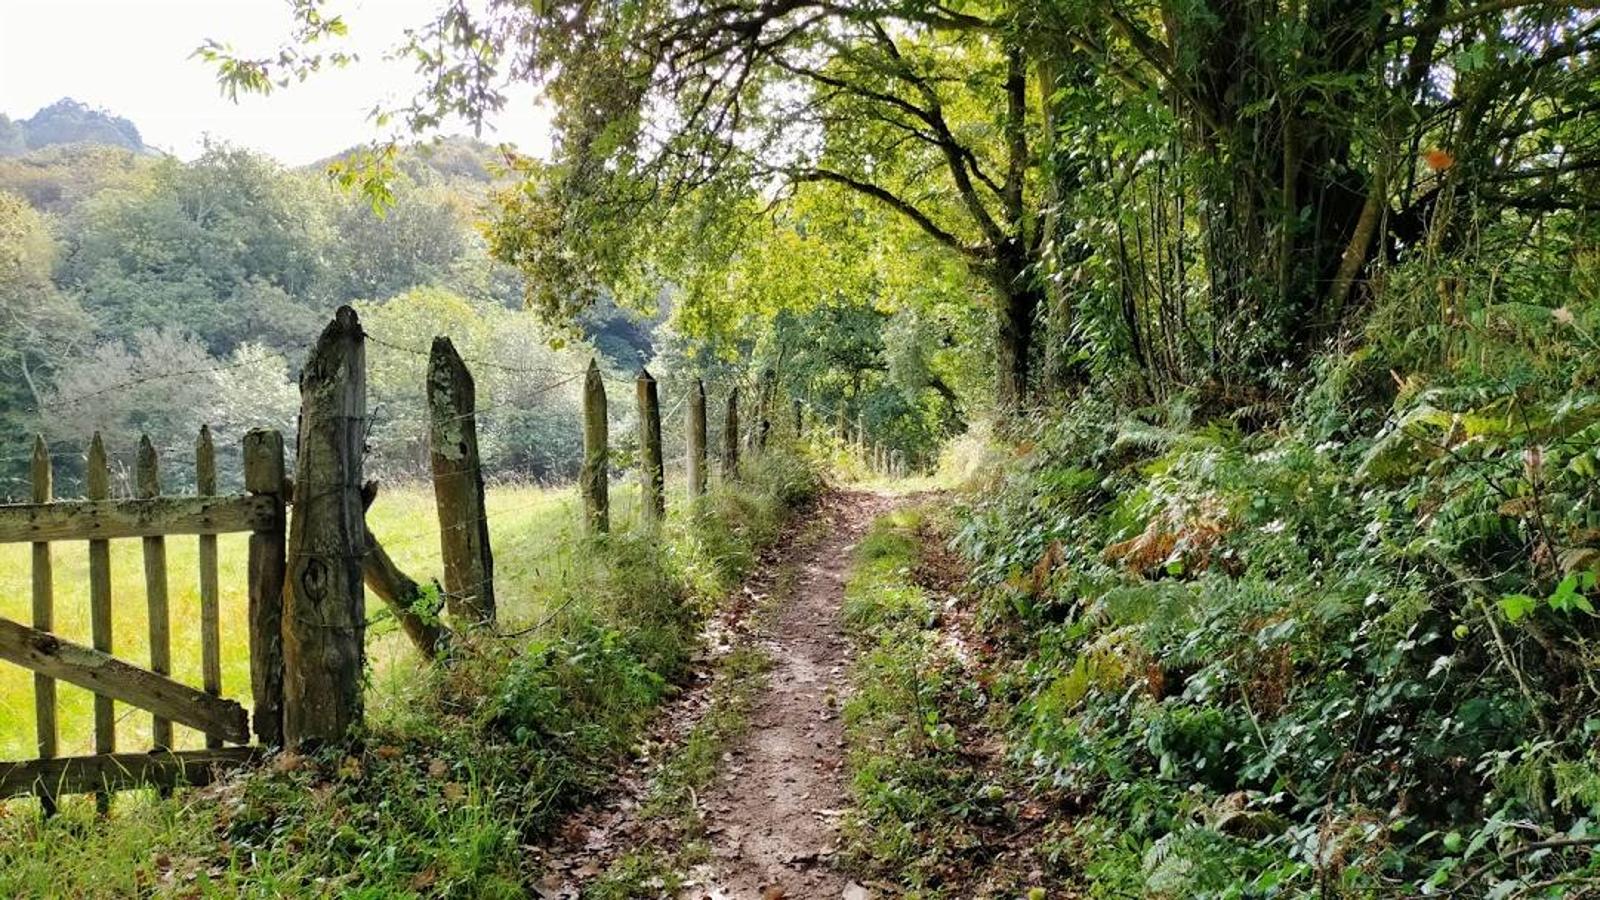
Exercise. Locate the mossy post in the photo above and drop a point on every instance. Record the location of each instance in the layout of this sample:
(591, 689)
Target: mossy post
(697, 439)
(324, 618)
(592, 479)
(652, 469)
(458, 487)
(730, 437)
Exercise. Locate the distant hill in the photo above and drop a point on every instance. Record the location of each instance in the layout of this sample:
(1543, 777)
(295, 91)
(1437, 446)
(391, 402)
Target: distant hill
(67, 121)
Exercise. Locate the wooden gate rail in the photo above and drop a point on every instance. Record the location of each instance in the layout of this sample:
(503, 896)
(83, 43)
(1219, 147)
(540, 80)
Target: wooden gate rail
(98, 520)
(120, 771)
(42, 652)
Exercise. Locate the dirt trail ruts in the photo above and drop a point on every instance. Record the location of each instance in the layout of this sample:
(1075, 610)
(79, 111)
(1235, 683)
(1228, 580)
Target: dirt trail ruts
(773, 813)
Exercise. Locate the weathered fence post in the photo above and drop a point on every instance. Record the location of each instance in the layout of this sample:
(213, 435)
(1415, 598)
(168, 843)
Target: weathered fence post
(458, 487)
(652, 469)
(697, 439)
(44, 687)
(324, 620)
(97, 484)
(593, 477)
(205, 483)
(730, 437)
(264, 477)
(147, 475)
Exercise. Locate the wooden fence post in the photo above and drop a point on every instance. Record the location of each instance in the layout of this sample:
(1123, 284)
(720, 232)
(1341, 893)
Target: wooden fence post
(97, 484)
(324, 619)
(730, 437)
(593, 479)
(205, 484)
(652, 469)
(44, 687)
(264, 476)
(147, 476)
(458, 487)
(697, 439)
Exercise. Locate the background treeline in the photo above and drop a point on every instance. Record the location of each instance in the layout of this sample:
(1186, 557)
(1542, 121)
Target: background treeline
(145, 294)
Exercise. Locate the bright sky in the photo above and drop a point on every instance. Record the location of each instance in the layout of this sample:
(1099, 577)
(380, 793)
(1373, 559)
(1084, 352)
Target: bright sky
(132, 58)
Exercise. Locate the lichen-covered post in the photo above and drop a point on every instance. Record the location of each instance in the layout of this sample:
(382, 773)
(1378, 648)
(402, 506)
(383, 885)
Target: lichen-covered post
(458, 487)
(730, 437)
(592, 479)
(652, 469)
(324, 625)
(697, 439)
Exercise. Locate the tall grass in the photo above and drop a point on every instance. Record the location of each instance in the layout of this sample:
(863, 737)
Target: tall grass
(533, 531)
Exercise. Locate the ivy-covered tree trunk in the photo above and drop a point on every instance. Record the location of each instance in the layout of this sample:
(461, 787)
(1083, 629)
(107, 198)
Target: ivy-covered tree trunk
(1018, 303)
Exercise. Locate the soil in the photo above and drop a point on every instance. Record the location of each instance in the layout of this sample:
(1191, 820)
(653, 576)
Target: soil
(772, 814)
(775, 807)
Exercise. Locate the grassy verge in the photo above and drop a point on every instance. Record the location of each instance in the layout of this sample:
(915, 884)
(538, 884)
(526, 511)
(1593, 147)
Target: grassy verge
(461, 763)
(930, 808)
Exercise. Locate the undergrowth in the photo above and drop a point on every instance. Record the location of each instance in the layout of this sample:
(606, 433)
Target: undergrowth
(448, 782)
(1350, 655)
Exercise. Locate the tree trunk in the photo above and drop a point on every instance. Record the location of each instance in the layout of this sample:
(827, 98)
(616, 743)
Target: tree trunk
(1018, 305)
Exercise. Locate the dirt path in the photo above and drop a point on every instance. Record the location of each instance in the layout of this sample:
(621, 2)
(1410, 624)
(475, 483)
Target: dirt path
(773, 811)
(771, 815)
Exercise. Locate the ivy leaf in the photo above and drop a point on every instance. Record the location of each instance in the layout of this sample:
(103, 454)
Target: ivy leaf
(1516, 606)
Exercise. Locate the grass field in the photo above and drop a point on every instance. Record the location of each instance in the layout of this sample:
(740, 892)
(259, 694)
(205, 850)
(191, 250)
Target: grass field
(532, 531)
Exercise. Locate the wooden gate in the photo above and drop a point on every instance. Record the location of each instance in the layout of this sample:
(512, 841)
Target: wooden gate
(152, 518)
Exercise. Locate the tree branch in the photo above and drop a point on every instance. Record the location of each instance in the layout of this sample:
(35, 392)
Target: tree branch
(898, 204)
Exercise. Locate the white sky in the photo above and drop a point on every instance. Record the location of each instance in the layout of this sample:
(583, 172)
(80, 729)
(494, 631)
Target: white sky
(132, 58)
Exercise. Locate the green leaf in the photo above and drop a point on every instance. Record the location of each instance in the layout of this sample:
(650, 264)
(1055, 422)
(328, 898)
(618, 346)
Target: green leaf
(1516, 606)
